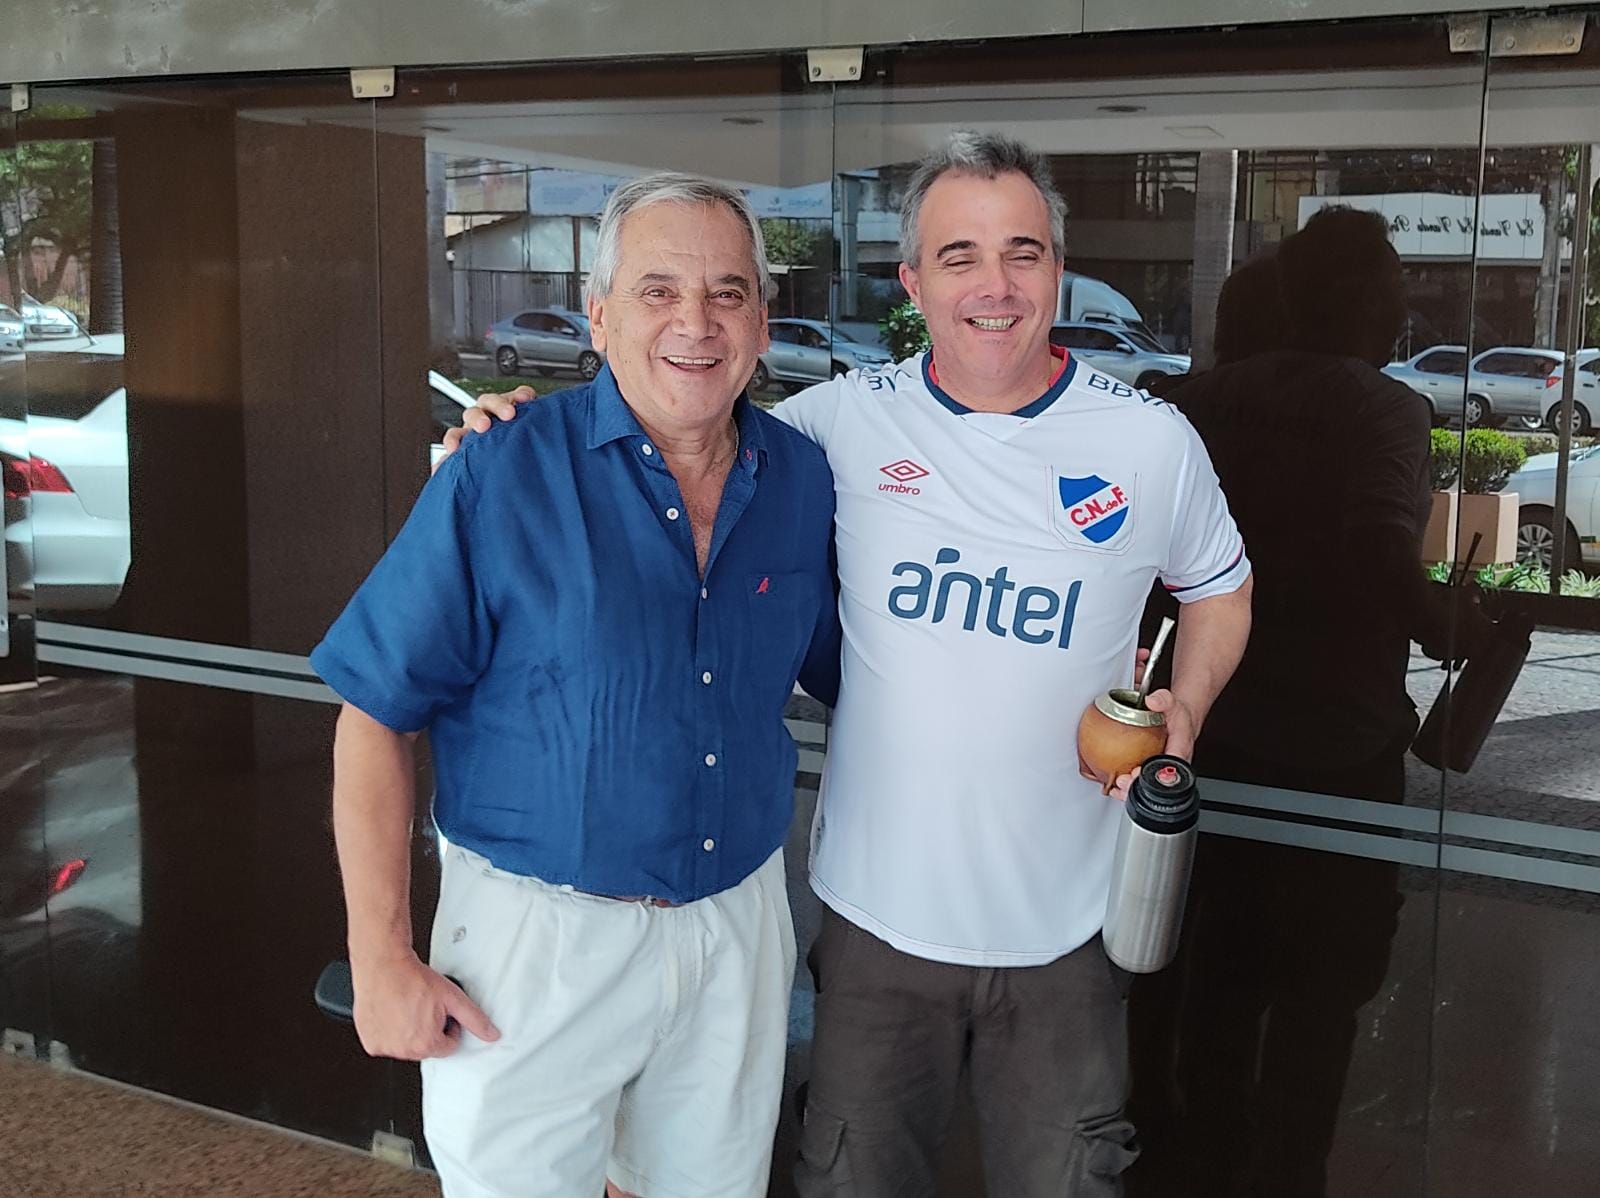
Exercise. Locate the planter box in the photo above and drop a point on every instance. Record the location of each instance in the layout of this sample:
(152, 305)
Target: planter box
(1439, 541)
(1495, 517)
(1456, 518)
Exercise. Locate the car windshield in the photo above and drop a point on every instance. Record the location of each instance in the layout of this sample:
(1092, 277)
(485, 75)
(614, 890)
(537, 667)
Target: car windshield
(1144, 341)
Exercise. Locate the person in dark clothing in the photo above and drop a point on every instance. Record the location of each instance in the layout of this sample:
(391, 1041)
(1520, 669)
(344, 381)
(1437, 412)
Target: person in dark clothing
(1324, 460)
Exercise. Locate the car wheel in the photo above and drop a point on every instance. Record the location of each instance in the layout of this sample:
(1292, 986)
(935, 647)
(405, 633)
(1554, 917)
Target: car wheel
(1478, 411)
(1528, 424)
(1536, 540)
(760, 380)
(505, 360)
(1581, 423)
(588, 364)
(838, 368)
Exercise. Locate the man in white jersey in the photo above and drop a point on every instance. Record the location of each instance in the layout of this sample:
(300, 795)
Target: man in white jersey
(1002, 513)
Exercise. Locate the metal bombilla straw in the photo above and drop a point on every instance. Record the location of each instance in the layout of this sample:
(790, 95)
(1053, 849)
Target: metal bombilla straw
(1167, 625)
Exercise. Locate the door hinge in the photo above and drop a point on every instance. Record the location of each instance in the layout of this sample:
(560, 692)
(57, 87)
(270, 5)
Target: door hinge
(1517, 37)
(834, 65)
(372, 83)
(397, 1150)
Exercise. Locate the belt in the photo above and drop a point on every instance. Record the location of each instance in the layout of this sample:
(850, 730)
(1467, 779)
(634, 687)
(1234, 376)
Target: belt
(644, 899)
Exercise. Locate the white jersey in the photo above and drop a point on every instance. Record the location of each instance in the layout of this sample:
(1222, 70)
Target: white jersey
(993, 571)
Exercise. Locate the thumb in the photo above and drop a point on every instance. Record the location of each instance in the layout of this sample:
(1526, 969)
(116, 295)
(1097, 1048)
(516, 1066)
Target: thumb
(1161, 701)
(469, 1015)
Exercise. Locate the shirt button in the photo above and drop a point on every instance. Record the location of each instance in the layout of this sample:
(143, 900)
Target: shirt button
(704, 594)
(711, 759)
(672, 513)
(706, 678)
(648, 449)
(709, 844)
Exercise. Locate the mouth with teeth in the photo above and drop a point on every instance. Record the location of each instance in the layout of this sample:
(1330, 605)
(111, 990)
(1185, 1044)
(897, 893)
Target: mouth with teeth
(691, 365)
(993, 324)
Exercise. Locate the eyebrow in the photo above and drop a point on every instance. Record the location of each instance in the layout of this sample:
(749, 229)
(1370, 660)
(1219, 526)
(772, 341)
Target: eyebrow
(657, 276)
(1018, 242)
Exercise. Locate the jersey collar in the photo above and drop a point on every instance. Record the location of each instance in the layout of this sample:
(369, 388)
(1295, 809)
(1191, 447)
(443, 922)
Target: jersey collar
(1059, 383)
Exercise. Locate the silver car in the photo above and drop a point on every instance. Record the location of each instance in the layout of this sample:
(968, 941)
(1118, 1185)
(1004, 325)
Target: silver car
(1505, 385)
(548, 338)
(809, 351)
(1124, 353)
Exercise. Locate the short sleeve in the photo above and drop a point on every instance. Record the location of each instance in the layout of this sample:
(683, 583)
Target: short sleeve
(814, 411)
(1205, 556)
(417, 633)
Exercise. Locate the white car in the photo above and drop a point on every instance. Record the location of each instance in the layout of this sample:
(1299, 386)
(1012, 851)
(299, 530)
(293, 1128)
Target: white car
(1537, 528)
(1585, 396)
(66, 494)
(12, 333)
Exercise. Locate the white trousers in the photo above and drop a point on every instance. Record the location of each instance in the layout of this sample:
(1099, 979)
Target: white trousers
(645, 1044)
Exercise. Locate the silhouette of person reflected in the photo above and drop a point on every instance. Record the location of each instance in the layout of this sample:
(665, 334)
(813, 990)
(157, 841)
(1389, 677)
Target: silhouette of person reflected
(1241, 1050)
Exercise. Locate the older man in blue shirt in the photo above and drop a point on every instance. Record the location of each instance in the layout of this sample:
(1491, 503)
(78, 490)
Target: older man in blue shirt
(598, 613)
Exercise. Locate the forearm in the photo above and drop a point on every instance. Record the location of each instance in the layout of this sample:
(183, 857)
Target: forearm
(374, 802)
(1211, 638)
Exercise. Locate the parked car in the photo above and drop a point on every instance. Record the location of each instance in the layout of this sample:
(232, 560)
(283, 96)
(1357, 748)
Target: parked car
(72, 474)
(12, 331)
(66, 481)
(46, 320)
(809, 351)
(1124, 353)
(547, 338)
(1505, 385)
(1585, 396)
(1537, 527)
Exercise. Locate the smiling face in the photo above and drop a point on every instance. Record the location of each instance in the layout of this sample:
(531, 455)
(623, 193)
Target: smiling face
(684, 322)
(987, 279)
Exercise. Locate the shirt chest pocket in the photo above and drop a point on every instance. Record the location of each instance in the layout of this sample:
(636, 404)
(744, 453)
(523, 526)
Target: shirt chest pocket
(782, 614)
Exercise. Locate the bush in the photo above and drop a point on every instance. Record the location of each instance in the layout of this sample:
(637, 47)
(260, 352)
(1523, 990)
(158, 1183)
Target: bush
(904, 331)
(1490, 459)
(1444, 459)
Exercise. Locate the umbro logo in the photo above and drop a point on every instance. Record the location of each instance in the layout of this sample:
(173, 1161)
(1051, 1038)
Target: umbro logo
(903, 472)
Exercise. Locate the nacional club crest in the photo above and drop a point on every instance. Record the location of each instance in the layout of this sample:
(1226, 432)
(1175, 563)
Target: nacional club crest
(1092, 509)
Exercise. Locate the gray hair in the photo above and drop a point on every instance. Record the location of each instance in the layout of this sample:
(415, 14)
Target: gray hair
(987, 155)
(669, 188)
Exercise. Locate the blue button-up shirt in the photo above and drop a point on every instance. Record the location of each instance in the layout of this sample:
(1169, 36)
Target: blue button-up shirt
(600, 714)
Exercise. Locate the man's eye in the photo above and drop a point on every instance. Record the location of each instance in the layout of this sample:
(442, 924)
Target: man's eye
(957, 263)
(730, 297)
(1026, 258)
(655, 293)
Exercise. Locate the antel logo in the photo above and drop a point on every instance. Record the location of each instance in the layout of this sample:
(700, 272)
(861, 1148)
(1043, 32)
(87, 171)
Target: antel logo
(903, 472)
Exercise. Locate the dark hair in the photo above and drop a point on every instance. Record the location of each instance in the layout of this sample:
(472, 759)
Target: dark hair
(1250, 315)
(1342, 284)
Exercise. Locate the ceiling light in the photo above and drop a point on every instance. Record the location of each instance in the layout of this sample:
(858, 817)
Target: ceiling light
(742, 120)
(1121, 108)
(1194, 132)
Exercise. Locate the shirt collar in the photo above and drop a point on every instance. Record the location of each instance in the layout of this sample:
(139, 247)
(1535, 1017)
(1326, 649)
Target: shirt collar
(610, 419)
(1066, 367)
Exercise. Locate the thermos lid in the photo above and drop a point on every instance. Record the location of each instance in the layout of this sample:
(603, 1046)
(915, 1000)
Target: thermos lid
(1163, 797)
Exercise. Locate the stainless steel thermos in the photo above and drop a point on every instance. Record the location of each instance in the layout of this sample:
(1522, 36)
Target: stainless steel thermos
(1150, 877)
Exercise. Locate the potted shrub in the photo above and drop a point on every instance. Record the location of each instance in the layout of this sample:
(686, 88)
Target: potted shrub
(1488, 460)
(1444, 464)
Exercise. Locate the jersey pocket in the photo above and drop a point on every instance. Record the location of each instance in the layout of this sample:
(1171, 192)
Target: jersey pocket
(1092, 512)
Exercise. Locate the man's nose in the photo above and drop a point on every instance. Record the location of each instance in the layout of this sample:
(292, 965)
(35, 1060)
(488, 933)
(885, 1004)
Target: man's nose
(992, 281)
(693, 316)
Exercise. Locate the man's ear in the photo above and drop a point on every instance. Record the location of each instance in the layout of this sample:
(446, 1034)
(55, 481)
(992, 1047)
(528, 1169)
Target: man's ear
(766, 331)
(596, 307)
(908, 280)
